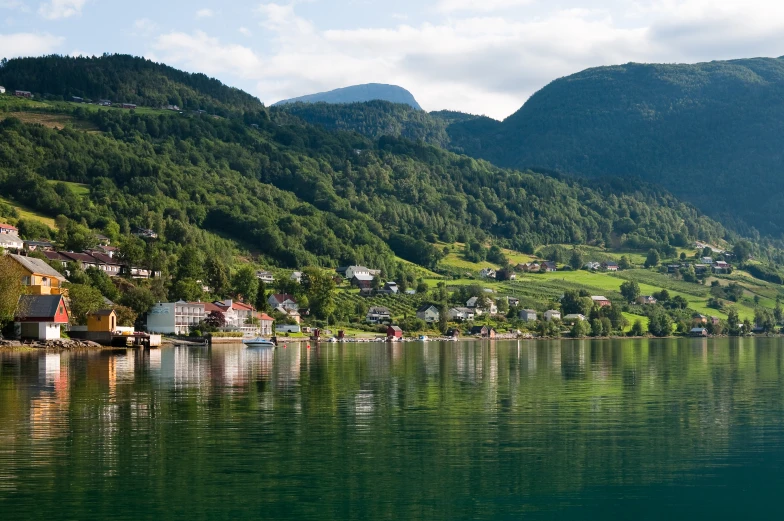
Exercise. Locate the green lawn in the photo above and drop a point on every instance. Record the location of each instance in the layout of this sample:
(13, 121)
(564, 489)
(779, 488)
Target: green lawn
(77, 188)
(27, 213)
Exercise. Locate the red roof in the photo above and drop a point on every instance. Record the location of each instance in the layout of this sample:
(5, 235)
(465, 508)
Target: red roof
(281, 298)
(265, 317)
(4, 226)
(241, 306)
(209, 307)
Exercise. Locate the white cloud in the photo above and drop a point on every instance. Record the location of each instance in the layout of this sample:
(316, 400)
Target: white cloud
(13, 4)
(245, 31)
(58, 9)
(205, 13)
(479, 60)
(28, 44)
(144, 27)
(201, 53)
(478, 6)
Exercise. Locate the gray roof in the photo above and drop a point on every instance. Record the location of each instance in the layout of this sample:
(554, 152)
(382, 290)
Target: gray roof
(38, 266)
(37, 306)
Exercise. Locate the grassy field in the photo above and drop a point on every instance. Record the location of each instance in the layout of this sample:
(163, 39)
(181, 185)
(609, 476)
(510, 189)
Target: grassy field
(27, 213)
(77, 188)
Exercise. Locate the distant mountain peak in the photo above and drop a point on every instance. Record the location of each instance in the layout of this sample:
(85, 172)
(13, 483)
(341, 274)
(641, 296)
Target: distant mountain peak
(359, 94)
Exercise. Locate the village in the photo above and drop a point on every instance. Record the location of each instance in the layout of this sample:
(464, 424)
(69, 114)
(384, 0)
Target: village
(43, 312)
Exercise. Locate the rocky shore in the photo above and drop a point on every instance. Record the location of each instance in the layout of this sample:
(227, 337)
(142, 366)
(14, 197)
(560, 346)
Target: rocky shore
(62, 344)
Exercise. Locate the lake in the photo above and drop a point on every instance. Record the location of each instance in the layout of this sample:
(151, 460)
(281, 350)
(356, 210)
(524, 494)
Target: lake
(594, 430)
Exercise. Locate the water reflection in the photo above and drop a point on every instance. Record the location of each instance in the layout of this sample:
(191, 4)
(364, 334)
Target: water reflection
(438, 430)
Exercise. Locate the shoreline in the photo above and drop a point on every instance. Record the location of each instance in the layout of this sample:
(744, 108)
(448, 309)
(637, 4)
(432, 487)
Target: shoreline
(64, 345)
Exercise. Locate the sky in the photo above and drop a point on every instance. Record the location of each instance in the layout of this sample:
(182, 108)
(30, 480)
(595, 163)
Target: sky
(477, 56)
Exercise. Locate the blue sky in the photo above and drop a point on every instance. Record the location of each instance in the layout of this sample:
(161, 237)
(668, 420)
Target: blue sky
(484, 57)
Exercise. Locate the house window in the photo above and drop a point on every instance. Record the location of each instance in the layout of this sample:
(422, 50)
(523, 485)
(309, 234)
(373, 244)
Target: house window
(45, 282)
(26, 281)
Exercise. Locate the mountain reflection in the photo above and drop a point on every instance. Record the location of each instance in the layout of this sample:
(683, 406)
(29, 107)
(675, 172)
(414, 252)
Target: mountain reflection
(532, 424)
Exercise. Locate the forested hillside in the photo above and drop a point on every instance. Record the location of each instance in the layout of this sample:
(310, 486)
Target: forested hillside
(301, 195)
(711, 133)
(122, 78)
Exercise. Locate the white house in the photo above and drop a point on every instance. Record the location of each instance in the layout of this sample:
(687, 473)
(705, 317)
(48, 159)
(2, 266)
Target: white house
(296, 277)
(551, 315)
(175, 318)
(11, 242)
(283, 303)
(352, 271)
(429, 313)
(265, 324)
(528, 315)
(574, 317)
(265, 276)
(2, 89)
(378, 314)
(461, 314)
(487, 273)
(7, 229)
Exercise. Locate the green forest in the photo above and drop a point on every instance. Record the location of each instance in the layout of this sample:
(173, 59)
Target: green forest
(710, 133)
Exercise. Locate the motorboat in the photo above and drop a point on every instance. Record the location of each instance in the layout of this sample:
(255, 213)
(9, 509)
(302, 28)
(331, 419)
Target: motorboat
(423, 338)
(258, 342)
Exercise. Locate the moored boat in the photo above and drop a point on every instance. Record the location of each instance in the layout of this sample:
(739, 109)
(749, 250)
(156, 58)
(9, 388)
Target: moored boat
(258, 342)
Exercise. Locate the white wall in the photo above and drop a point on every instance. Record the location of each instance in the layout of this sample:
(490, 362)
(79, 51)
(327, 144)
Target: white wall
(48, 331)
(161, 318)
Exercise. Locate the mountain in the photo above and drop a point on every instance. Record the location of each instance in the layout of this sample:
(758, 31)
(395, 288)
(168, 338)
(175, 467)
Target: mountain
(359, 94)
(122, 78)
(298, 195)
(711, 133)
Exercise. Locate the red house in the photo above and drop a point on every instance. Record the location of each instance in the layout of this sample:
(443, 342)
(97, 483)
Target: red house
(23, 94)
(8, 229)
(601, 301)
(394, 332)
(39, 317)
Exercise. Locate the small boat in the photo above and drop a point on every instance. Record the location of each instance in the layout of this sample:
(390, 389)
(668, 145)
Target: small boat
(333, 340)
(423, 338)
(258, 342)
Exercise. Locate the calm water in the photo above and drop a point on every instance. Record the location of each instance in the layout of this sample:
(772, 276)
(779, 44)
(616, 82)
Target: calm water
(687, 429)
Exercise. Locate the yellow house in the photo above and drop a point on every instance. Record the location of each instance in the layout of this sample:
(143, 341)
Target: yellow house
(103, 321)
(39, 277)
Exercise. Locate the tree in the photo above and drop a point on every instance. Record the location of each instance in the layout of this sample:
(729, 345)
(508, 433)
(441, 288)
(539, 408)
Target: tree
(217, 276)
(580, 329)
(140, 299)
(11, 288)
(320, 290)
(443, 318)
(102, 282)
(683, 256)
(624, 263)
(707, 251)
(653, 258)
(777, 311)
(630, 291)
(190, 264)
(637, 329)
(84, 301)
(742, 250)
(660, 324)
(596, 327)
(576, 260)
(216, 319)
(606, 326)
(421, 286)
(245, 283)
(375, 283)
(126, 317)
(188, 290)
(733, 322)
(573, 303)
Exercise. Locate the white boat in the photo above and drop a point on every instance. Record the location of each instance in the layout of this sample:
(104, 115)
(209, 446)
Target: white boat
(423, 338)
(333, 340)
(258, 342)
